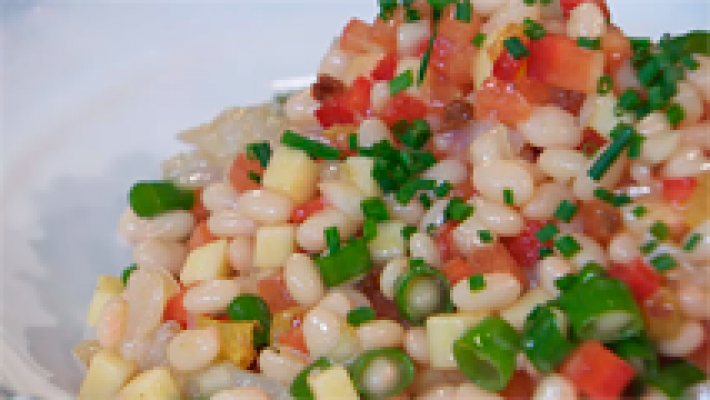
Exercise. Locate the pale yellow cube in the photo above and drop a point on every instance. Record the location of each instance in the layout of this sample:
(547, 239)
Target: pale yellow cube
(517, 313)
(482, 68)
(293, 173)
(443, 330)
(206, 262)
(107, 374)
(106, 288)
(389, 242)
(599, 113)
(333, 383)
(274, 245)
(358, 170)
(154, 384)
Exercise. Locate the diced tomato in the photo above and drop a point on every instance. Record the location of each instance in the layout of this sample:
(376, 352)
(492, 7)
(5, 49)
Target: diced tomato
(525, 248)
(459, 32)
(175, 310)
(643, 280)
(597, 372)
(200, 236)
(591, 142)
(199, 212)
(305, 210)
(444, 241)
(483, 260)
(334, 111)
(386, 68)
(294, 339)
(465, 190)
(534, 91)
(507, 68)
(501, 101)
(357, 97)
(452, 60)
(678, 191)
(438, 90)
(403, 106)
(521, 386)
(557, 60)
(357, 37)
(568, 100)
(274, 292)
(239, 173)
(616, 47)
(569, 5)
(701, 356)
(457, 270)
(384, 34)
(384, 308)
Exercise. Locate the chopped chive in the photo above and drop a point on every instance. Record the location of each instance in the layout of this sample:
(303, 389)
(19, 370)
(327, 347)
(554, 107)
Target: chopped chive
(629, 100)
(567, 246)
(692, 242)
(675, 114)
(352, 142)
(624, 133)
(457, 210)
(660, 230)
(533, 29)
(126, 274)
(565, 211)
(516, 48)
(603, 195)
(635, 146)
(463, 11)
(369, 230)
(649, 71)
(690, 62)
(639, 211)
(332, 238)
(425, 200)
(589, 43)
(476, 282)
(360, 316)
(313, 148)
(648, 247)
(253, 176)
(664, 262)
(656, 98)
(412, 15)
(410, 188)
(374, 208)
(443, 189)
(605, 84)
(425, 59)
(545, 252)
(621, 200)
(485, 236)
(149, 199)
(416, 135)
(401, 82)
(529, 2)
(260, 151)
(547, 232)
(408, 231)
(508, 197)
(430, 228)
(479, 39)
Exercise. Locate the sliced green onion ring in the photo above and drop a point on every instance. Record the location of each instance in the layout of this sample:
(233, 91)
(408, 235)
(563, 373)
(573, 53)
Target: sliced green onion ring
(374, 359)
(421, 291)
(299, 388)
(543, 340)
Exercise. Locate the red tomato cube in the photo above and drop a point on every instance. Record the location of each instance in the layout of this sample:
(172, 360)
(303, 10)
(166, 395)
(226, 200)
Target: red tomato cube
(597, 372)
(558, 61)
(641, 278)
(403, 106)
(678, 191)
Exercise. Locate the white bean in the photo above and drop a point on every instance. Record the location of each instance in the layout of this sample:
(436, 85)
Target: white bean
(546, 199)
(654, 394)
(417, 345)
(344, 196)
(469, 391)
(641, 173)
(241, 393)
(193, 349)
(491, 145)
(210, 297)
(653, 124)
(230, 223)
(338, 302)
(279, 366)
(551, 269)
(701, 251)
(330, 170)
(501, 290)
(409, 213)
(147, 293)
(685, 162)
(561, 164)
(699, 391)
(241, 254)
(373, 130)
(173, 225)
(502, 220)
(266, 206)
(657, 149)
(551, 126)
(453, 171)
(694, 301)
(624, 248)
(434, 215)
(309, 234)
(130, 227)
(493, 178)
(392, 270)
(518, 312)
(591, 251)
(586, 20)
(160, 254)
(690, 338)
(422, 246)
(380, 333)
(690, 100)
(410, 37)
(303, 281)
(442, 392)
(220, 196)
(555, 387)
(487, 7)
(335, 63)
(466, 236)
(300, 108)
(322, 329)
(700, 78)
(111, 324)
(379, 96)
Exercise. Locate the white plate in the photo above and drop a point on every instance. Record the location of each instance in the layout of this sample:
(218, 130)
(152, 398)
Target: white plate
(93, 95)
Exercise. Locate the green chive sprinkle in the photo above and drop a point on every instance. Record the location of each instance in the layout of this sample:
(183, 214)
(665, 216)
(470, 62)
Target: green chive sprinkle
(425, 59)
(352, 142)
(126, 274)
(545, 252)
(567, 246)
(639, 211)
(412, 15)
(443, 189)
(313, 148)
(675, 114)
(605, 85)
(259, 151)
(476, 282)
(485, 236)
(635, 146)
(660, 230)
(401, 82)
(425, 200)
(457, 210)
(508, 197)
(624, 133)
(332, 238)
(463, 11)
(360, 316)
(430, 228)
(629, 100)
(621, 200)
(589, 43)
(369, 230)
(410, 188)
(648, 247)
(565, 211)
(663, 262)
(547, 232)
(603, 195)
(533, 29)
(692, 242)
(408, 231)
(690, 62)
(479, 39)
(516, 48)
(374, 208)
(416, 135)
(253, 176)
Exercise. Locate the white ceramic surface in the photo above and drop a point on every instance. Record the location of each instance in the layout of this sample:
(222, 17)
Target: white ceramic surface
(92, 96)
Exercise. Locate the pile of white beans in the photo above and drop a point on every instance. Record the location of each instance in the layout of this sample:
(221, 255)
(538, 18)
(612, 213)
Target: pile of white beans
(132, 324)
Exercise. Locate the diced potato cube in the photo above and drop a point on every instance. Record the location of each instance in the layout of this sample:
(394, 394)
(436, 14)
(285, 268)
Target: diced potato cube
(154, 384)
(389, 242)
(206, 263)
(293, 173)
(359, 171)
(333, 383)
(362, 65)
(698, 207)
(517, 313)
(107, 374)
(106, 288)
(236, 340)
(274, 245)
(443, 330)
(482, 68)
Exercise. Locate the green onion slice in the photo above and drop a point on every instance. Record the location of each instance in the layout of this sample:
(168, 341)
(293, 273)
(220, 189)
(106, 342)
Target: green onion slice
(348, 262)
(126, 274)
(692, 242)
(359, 370)
(516, 48)
(401, 82)
(259, 151)
(567, 246)
(566, 211)
(313, 148)
(299, 389)
(664, 262)
(374, 208)
(476, 282)
(543, 341)
(674, 379)
(640, 353)
(361, 315)
(149, 199)
(421, 291)
(250, 307)
(479, 39)
(332, 238)
(457, 210)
